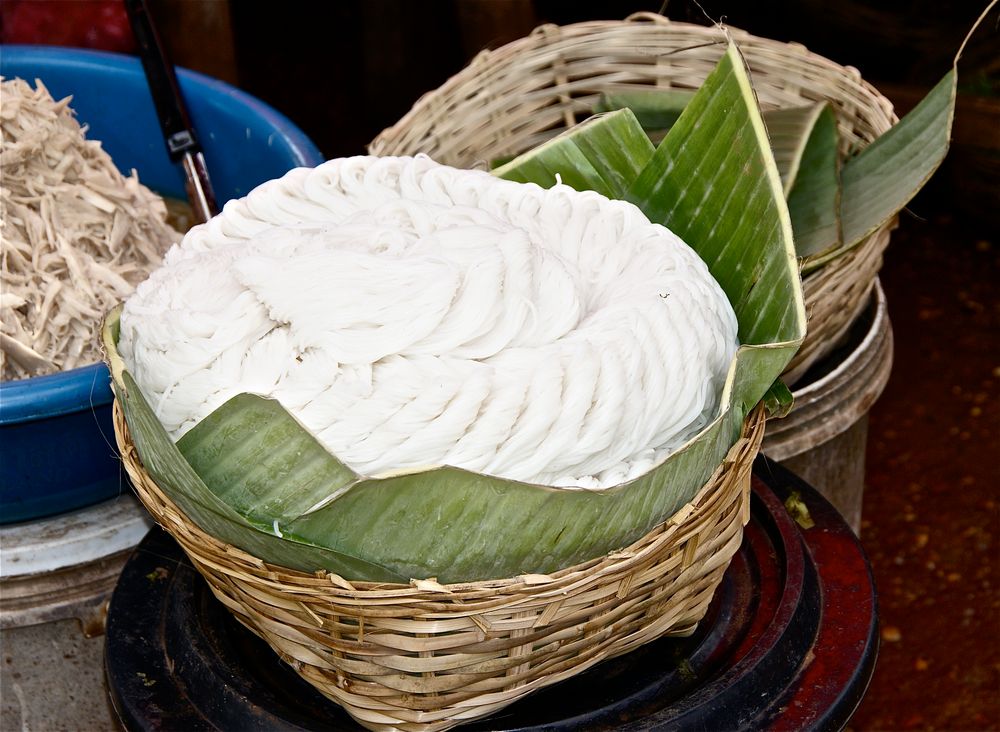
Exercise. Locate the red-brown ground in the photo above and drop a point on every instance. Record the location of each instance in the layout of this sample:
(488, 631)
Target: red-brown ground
(931, 516)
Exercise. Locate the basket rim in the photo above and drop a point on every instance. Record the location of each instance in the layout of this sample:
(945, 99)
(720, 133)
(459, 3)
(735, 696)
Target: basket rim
(546, 33)
(743, 450)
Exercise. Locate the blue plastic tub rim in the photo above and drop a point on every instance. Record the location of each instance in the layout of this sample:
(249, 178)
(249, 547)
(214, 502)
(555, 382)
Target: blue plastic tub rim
(66, 392)
(302, 147)
(88, 387)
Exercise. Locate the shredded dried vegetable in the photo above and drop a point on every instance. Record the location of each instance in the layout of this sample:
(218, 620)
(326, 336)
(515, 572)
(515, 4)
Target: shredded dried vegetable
(76, 235)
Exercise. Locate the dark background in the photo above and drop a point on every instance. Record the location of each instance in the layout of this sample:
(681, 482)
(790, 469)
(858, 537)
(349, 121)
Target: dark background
(343, 70)
(371, 60)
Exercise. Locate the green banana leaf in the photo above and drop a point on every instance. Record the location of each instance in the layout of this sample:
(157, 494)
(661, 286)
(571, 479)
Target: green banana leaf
(713, 182)
(447, 523)
(881, 179)
(804, 142)
(656, 109)
(252, 456)
(831, 211)
(779, 400)
(813, 189)
(175, 475)
(789, 130)
(604, 153)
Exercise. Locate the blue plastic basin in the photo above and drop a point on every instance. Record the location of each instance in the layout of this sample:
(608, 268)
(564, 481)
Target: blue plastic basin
(56, 437)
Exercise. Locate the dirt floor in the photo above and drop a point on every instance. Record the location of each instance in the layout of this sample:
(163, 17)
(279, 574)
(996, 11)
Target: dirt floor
(931, 517)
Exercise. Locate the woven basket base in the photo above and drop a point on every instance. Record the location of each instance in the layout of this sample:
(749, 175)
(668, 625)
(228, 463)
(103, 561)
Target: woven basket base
(426, 656)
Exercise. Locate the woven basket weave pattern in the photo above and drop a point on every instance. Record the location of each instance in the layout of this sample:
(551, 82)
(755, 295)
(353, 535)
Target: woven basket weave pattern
(428, 656)
(516, 97)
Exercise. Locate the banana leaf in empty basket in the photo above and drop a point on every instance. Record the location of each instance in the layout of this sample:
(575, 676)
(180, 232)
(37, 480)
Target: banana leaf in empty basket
(422, 598)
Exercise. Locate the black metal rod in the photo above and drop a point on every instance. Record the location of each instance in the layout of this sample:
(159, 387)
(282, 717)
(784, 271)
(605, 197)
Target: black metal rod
(178, 131)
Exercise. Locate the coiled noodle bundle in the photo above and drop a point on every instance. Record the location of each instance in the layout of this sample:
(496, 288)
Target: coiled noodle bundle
(411, 314)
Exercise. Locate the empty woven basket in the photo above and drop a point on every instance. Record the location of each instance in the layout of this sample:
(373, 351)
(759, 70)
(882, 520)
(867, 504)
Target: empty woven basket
(509, 100)
(426, 656)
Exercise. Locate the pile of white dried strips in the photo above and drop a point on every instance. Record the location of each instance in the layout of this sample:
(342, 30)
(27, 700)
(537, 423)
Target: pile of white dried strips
(76, 235)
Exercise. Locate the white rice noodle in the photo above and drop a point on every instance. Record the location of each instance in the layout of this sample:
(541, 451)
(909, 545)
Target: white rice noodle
(410, 314)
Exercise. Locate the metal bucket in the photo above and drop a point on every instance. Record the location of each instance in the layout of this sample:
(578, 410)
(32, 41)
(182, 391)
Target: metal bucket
(824, 437)
(66, 566)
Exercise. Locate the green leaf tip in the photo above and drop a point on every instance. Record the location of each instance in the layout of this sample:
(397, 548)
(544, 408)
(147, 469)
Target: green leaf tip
(880, 180)
(604, 154)
(719, 152)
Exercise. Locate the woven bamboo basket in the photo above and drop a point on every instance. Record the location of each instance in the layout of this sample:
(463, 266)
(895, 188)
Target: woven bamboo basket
(509, 100)
(426, 656)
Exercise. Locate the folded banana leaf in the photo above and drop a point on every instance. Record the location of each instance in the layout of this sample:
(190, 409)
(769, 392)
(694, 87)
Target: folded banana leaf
(214, 515)
(254, 477)
(603, 153)
(804, 142)
(655, 109)
(813, 183)
(789, 130)
(881, 179)
(832, 211)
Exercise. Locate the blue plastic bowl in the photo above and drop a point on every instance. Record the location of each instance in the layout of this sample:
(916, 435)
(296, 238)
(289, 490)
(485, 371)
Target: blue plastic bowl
(57, 448)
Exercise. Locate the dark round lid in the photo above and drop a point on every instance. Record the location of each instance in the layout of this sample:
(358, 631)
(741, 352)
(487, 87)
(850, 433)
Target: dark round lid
(789, 642)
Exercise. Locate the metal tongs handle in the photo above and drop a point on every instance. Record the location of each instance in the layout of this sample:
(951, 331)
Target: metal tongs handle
(178, 131)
